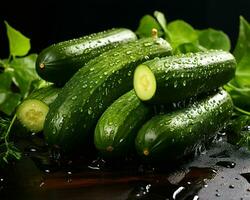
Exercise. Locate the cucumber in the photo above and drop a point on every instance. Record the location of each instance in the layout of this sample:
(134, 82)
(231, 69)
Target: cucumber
(174, 78)
(59, 62)
(32, 111)
(176, 134)
(117, 128)
(46, 94)
(73, 115)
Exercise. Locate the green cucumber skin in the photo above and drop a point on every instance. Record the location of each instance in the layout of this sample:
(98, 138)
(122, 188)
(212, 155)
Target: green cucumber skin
(184, 76)
(47, 94)
(119, 124)
(62, 60)
(93, 88)
(178, 133)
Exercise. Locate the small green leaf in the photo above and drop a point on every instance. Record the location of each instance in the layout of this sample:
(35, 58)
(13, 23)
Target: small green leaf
(214, 39)
(181, 33)
(9, 101)
(19, 45)
(242, 55)
(147, 23)
(239, 87)
(243, 43)
(188, 47)
(5, 80)
(24, 72)
(160, 17)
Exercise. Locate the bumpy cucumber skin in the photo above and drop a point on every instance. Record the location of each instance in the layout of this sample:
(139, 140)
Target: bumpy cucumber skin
(176, 134)
(60, 61)
(117, 128)
(47, 94)
(184, 76)
(93, 88)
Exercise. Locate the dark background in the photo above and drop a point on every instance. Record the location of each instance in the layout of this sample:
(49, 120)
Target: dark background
(48, 21)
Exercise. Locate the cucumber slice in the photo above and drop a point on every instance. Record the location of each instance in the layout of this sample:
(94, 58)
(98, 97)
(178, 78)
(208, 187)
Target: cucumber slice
(144, 82)
(32, 113)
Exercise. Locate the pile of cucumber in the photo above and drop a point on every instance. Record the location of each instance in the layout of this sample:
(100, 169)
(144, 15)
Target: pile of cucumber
(126, 94)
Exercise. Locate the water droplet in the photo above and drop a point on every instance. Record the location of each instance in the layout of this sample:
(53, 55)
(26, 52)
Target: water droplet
(147, 44)
(90, 111)
(217, 195)
(100, 105)
(121, 140)
(184, 83)
(175, 84)
(227, 164)
(231, 186)
(41, 184)
(84, 85)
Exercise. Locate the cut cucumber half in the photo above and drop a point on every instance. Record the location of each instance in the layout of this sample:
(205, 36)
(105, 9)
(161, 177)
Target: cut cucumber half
(175, 78)
(32, 113)
(144, 82)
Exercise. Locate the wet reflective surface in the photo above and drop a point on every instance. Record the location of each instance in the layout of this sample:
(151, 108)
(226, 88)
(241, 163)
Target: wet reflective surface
(43, 174)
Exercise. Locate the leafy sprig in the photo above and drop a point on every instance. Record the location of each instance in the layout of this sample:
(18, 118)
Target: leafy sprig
(182, 36)
(7, 148)
(17, 78)
(17, 71)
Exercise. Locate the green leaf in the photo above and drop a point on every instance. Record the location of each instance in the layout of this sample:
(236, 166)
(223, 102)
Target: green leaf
(242, 54)
(181, 33)
(239, 87)
(19, 45)
(9, 101)
(5, 80)
(24, 72)
(243, 42)
(214, 39)
(188, 47)
(160, 17)
(147, 23)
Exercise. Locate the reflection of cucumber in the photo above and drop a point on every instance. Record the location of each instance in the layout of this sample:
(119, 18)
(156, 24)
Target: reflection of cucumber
(32, 111)
(59, 62)
(174, 78)
(178, 133)
(117, 128)
(93, 88)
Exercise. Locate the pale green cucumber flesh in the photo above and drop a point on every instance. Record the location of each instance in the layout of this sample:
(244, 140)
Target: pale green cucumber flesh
(31, 113)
